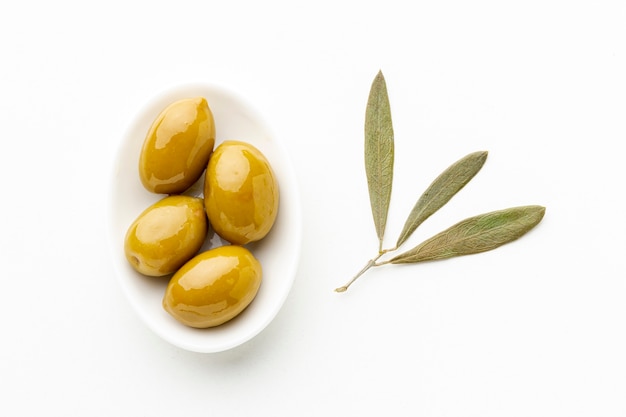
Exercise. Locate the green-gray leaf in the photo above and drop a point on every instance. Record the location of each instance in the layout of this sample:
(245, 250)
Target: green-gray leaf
(475, 234)
(441, 190)
(379, 153)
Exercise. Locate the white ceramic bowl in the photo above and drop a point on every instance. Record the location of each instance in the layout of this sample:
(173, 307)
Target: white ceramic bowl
(278, 252)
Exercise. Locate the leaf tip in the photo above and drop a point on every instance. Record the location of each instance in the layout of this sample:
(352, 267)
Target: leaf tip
(380, 76)
(542, 210)
(481, 155)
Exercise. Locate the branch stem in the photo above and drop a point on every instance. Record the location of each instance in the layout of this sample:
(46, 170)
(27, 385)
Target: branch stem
(384, 251)
(368, 265)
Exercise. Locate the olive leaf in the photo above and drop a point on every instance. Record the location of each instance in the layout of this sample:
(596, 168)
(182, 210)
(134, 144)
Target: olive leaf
(441, 190)
(379, 153)
(474, 235)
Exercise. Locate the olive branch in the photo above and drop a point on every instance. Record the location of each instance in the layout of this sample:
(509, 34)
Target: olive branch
(473, 235)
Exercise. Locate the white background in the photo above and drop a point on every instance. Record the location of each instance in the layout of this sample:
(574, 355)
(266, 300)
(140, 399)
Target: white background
(535, 328)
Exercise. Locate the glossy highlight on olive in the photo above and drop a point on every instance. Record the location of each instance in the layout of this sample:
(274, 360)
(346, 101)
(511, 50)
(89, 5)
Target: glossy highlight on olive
(213, 287)
(177, 147)
(166, 235)
(241, 193)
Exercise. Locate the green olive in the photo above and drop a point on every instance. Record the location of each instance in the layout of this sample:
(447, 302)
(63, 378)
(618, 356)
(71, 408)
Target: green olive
(240, 193)
(166, 235)
(177, 147)
(213, 287)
